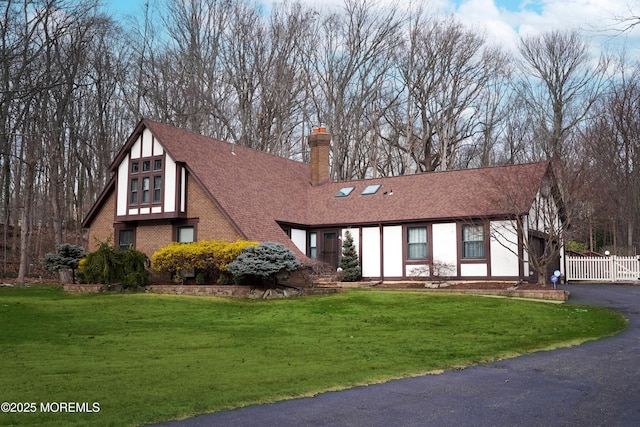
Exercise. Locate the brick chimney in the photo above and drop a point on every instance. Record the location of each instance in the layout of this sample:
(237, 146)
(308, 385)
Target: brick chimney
(320, 142)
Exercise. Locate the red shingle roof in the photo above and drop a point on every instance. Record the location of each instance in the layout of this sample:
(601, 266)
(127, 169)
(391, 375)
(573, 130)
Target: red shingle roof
(456, 194)
(257, 190)
(253, 188)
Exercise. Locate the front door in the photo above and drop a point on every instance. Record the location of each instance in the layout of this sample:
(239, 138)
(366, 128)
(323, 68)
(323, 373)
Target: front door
(330, 246)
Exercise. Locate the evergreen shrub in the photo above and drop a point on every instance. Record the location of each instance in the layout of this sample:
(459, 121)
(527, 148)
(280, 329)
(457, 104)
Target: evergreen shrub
(265, 262)
(67, 257)
(107, 266)
(349, 262)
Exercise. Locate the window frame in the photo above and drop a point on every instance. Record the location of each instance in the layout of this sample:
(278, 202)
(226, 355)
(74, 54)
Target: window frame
(147, 171)
(185, 223)
(409, 244)
(157, 189)
(179, 229)
(119, 233)
(479, 245)
(313, 245)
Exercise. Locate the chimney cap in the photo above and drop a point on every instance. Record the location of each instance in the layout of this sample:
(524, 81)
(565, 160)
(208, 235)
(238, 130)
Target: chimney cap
(322, 128)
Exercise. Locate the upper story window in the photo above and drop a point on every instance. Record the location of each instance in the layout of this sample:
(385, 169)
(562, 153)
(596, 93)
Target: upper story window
(417, 243)
(146, 181)
(473, 246)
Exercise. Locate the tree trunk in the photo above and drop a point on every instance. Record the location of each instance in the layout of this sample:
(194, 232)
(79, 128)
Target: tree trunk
(25, 228)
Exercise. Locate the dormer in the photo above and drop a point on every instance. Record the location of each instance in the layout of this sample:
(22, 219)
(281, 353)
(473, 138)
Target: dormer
(150, 184)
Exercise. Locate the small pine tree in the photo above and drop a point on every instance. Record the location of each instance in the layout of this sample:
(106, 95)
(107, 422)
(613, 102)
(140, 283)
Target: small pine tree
(349, 262)
(66, 257)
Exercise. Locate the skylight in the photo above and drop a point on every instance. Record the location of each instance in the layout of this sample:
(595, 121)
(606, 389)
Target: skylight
(371, 189)
(345, 191)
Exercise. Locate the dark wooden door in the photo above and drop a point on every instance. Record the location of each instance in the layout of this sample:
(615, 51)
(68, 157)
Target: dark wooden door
(330, 248)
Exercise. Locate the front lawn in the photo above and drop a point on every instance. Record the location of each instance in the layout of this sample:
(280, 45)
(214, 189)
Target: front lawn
(145, 358)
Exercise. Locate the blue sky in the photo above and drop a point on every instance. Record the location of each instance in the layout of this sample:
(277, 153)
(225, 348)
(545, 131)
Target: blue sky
(501, 20)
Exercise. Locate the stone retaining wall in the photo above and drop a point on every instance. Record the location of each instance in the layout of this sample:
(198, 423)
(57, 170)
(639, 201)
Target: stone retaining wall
(248, 291)
(549, 295)
(213, 290)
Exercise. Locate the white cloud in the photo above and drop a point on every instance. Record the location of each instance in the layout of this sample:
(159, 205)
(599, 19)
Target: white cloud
(485, 16)
(596, 19)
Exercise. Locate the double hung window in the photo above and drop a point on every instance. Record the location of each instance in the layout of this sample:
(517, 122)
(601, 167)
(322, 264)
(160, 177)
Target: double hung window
(417, 243)
(473, 246)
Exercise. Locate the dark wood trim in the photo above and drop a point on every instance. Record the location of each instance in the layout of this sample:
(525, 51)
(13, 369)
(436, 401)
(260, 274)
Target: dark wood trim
(381, 237)
(487, 245)
(406, 262)
(150, 216)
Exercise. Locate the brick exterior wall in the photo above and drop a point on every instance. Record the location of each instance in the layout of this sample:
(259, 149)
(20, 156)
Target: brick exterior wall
(211, 223)
(150, 238)
(102, 226)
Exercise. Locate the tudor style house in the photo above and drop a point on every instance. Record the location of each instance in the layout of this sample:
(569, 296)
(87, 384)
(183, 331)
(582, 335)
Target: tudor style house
(172, 185)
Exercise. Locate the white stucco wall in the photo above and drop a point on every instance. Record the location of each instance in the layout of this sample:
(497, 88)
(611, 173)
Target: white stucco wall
(169, 184)
(392, 250)
(370, 252)
(135, 148)
(123, 187)
(299, 238)
(504, 249)
(445, 247)
(147, 143)
(183, 190)
(417, 270)
(469, 270)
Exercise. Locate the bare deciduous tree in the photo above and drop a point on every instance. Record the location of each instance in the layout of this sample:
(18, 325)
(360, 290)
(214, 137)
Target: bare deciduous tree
(560, 84)
(347, 75)
(447, 71)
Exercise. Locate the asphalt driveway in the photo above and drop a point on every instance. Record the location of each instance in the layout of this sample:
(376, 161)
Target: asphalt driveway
(594, 384)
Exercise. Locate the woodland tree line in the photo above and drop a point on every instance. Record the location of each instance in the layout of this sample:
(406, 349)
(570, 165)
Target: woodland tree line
(402, 91)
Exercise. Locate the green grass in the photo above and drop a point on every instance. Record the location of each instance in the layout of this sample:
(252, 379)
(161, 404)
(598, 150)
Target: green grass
(146, 358)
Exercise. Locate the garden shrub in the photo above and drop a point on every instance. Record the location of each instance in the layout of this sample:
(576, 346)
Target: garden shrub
(67, 257)
(264, 261)
(209, 258)
(135, 266)
(107, 266)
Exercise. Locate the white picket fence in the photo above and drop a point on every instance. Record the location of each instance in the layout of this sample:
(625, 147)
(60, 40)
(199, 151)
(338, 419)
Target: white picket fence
(603, 269)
